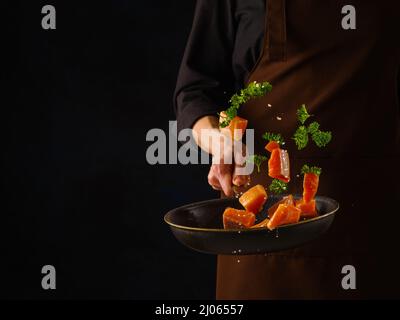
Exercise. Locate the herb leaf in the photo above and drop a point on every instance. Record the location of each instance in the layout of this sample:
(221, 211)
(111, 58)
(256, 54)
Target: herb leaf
(300, 137)
(253, 90)
(277, 137)
(302, 114)
(313, 127)
(307, 169)
(230, 113)
(321, 138)
(257, 160)
(277, 186)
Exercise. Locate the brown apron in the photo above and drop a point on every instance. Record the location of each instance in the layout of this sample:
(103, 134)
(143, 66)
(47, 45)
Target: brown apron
(347, 79)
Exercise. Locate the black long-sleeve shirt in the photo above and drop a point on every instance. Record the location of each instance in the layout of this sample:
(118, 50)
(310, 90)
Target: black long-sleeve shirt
(225, 43)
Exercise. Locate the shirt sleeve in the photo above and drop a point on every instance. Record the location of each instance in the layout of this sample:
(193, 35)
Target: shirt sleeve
(205, 80)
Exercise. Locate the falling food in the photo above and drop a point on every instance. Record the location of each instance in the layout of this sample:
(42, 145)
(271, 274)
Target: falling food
(288, 210)
(253, 90)
(254, 199)
(238, 219)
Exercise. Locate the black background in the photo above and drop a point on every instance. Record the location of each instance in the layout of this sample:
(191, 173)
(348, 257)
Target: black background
(79, 194)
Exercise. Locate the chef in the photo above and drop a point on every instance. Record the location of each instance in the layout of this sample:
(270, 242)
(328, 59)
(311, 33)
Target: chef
(342, 62)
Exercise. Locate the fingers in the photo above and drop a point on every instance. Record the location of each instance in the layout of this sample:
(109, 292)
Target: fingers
(226, 184)
(240, 180)
(216, 188)
(222, 175)
(239, 153)
(213, 180)
(220, 178)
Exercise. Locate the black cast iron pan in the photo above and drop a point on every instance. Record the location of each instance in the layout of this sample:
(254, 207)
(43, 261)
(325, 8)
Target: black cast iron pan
(199, 227)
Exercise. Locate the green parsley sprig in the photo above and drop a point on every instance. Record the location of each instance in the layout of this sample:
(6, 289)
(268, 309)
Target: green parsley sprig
(277, 137)
(302, 114)
(313, 127)
(278, 186)
(253, 90)
(320, 138)
(257, 160)
(311, 169)
(300, 137)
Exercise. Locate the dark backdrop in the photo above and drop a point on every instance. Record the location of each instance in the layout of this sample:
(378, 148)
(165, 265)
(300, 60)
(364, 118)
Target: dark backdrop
(79, 193)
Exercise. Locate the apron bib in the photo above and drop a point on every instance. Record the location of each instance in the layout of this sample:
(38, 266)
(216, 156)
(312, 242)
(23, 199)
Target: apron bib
(347, 79)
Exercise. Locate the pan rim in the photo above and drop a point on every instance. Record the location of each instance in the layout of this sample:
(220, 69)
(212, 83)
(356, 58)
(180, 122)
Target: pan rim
(171, 224)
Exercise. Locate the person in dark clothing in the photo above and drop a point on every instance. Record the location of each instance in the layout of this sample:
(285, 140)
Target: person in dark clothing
(348, 78)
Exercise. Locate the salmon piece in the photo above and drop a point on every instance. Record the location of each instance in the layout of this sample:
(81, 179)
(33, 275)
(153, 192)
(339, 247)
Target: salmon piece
(278, 165)
(236, 127)
(310, 186)
(262, 224)
(238, 219)
(308, 209)
(284, 214)
(285, 200)
(271, 146)
(254, 199)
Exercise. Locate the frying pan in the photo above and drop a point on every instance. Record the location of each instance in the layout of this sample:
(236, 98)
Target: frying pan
(199, 226)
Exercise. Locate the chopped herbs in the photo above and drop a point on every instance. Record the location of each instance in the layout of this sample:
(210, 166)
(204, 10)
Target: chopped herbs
(308, 169)
(253, 90)
(300, 137)
(257, 160)
(277, 186)
(302, 114)
(273, 137)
